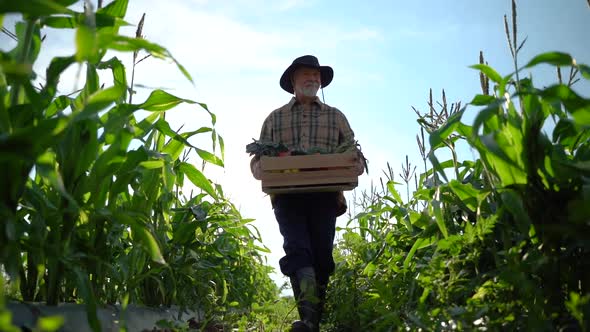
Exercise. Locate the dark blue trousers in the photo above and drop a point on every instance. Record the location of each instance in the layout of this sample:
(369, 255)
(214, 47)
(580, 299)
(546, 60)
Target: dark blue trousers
(308, 225)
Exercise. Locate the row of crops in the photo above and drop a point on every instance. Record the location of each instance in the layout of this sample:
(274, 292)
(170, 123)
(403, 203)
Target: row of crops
(92, 206)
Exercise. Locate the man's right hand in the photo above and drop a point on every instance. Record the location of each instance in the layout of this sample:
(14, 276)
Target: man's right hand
(255, 168)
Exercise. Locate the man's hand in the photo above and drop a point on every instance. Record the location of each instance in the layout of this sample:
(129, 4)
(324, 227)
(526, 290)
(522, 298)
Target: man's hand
(255, 168)
(359, 167)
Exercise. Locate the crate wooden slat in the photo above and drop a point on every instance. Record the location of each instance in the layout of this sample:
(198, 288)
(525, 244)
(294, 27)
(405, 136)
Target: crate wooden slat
(308, 161)
(314, 173)
(309, 177)
(306, 189)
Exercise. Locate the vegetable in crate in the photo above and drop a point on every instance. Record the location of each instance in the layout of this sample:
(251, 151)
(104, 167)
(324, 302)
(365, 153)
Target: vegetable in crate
(265, 148)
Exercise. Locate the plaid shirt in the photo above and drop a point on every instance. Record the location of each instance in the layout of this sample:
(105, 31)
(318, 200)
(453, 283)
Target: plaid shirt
(322, 126)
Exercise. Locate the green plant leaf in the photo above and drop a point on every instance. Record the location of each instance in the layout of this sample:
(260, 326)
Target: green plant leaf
(23, 70)
(65, 3)
(489, 72)
(564, 94)
(35, 42)
(119, 76)
(152, 164)
(59, 104)
(197, 178)
(436, 165)
(86, 44)
(392, 191)
(141, 234)
(482, 100)
(160, 100)
(57, 66)
(117, 8)
(45, 167)
(585, 70)
(453, 243)
(119, 119)
(466, 193)
(565, 130)
(437, 210)
(127, 44)
(76, 20)
(514, 204)
(100, 100)
(506, 160)
(464, 130)
(209, 157)
(151, 244)
(438, 137)
(126, 171)
(221, 146)
(50, 323)
(583, 166)
(552, 58)
(213, 116)
(145, 126)
(576, 105)
(178, 142)
(35, 8)
(173, 148)
(60, 22)
(420, 243)
(169, 177)
(185, 233)
(27, 143)
(486, 116)
(164, 127)
(370, 269)
(85, 288)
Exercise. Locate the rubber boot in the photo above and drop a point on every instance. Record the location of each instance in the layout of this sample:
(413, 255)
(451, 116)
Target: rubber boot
(296, 293)
(322, 301)
(306, 293)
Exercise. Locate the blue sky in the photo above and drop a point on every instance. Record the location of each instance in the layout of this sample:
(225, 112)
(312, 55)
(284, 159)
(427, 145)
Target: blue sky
(386, 56)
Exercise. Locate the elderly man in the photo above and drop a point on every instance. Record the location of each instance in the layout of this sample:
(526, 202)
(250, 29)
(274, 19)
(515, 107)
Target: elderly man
(307, 221)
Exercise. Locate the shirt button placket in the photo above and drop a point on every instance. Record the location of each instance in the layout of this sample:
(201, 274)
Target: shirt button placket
(305, 131)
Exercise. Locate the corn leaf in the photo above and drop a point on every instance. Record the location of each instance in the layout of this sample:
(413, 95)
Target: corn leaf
(197, 178)
(36, 8)
(552, 58)
(117, 8)
(489, 72)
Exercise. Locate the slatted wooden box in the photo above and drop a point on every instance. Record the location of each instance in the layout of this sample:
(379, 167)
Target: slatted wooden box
(309, 173)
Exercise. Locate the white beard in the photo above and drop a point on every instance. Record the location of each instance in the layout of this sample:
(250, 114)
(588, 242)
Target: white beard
(309, 91)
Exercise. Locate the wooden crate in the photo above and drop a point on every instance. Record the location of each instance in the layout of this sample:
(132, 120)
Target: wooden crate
(309, 173)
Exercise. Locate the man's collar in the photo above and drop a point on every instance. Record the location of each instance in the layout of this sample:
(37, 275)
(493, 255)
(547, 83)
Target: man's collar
(294, 102)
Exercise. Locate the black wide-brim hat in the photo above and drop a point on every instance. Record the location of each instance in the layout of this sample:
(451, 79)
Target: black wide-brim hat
(326, 72)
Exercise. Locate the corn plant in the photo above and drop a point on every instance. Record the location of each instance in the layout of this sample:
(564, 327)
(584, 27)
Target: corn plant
(498, 243)
(92, 206)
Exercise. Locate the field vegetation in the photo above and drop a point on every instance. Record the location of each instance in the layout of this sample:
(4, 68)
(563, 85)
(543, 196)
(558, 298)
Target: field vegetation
(94, 210)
